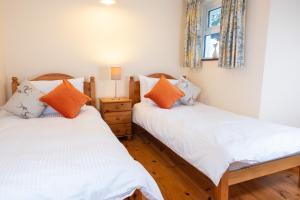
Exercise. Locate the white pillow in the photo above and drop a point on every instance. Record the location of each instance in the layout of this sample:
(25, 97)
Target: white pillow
(191, 91)
(25, 102)
(48, 86)
(146, 84)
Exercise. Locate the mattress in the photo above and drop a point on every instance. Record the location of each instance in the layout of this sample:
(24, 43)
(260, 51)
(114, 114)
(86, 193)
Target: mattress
(212, 140)
(57, 158)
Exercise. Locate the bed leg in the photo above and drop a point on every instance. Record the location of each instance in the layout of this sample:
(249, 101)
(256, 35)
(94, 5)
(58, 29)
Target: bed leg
(222, 190)
(137, 196)
(299, 177)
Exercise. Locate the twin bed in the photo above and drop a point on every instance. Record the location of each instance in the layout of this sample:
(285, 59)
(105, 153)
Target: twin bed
(225, 147)
(56, 158)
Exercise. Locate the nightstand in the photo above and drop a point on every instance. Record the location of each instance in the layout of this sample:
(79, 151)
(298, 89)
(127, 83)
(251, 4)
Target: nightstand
(117, 113)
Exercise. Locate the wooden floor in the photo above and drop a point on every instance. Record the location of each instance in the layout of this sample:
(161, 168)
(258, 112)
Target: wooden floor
(176, 184)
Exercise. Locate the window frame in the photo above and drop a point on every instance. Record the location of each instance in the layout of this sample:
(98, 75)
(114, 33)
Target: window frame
(207, 7)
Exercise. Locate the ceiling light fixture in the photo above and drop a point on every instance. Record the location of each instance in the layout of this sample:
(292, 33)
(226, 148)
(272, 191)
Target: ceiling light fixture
(108, 2)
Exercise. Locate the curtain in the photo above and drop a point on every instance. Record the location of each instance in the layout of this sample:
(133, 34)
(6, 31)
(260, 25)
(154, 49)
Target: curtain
(232, 33)
(192, 50)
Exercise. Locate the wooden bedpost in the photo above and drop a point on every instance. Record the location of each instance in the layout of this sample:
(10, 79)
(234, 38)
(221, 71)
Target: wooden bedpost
(93, 91)
(131, 88)
(222, 190)
(14, 84)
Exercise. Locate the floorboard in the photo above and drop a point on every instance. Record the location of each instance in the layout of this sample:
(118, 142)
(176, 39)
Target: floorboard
(176, 184)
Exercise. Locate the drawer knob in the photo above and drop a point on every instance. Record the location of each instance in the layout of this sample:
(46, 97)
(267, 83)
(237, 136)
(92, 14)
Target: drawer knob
(118, 130)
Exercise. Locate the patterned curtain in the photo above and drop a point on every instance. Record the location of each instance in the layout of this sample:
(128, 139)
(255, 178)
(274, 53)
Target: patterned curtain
(192, 51)
(232, 42)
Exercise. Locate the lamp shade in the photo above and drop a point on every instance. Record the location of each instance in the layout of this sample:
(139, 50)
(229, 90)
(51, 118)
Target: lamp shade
(116, 73)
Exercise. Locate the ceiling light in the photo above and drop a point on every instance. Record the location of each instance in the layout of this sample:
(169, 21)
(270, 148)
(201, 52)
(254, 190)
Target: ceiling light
(108, 2)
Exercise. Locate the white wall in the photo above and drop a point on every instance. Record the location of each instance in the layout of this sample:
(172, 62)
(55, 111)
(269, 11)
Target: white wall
(2, 69)
(84, 38)
(280, 100)
(239, 90)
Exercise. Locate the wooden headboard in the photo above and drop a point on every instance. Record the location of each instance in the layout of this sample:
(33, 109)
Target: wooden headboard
(89, 86)
(134, 86)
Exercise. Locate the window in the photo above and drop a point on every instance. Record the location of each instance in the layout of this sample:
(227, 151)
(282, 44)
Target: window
(211, 21)
(214, 17)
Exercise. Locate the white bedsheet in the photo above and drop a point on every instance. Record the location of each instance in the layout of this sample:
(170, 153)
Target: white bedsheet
(61, 159)
(211, 139)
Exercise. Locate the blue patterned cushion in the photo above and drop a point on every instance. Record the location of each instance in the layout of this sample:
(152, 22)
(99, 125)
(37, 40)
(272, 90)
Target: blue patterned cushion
(191, 91)
(25, 102)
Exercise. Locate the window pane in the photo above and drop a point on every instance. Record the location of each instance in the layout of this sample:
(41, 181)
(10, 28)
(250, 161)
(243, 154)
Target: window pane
(211, 45)
(214, 17)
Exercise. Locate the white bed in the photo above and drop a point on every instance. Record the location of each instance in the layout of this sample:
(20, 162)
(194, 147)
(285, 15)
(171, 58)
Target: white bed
(211, 139)
(58, 158)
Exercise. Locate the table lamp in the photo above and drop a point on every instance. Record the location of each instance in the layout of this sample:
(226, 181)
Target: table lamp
(116, 74)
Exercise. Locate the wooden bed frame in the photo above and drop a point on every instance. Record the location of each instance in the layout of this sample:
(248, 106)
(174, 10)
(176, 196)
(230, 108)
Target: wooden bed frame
(221, 192)
(89, 90)
(89, 86)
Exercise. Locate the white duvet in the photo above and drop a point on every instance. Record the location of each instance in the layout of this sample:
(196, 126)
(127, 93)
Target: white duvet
(211, 139)
(54, 158)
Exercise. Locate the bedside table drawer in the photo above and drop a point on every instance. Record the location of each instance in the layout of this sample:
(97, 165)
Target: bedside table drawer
(117, 117)
(121, 129)
(116, 107)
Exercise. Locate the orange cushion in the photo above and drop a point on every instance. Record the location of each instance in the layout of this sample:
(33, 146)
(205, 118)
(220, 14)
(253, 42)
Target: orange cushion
(164, 94)
(66, 99)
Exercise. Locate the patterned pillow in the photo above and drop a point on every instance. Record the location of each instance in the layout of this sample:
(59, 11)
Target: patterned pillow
(190, 90)
(25, 102)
